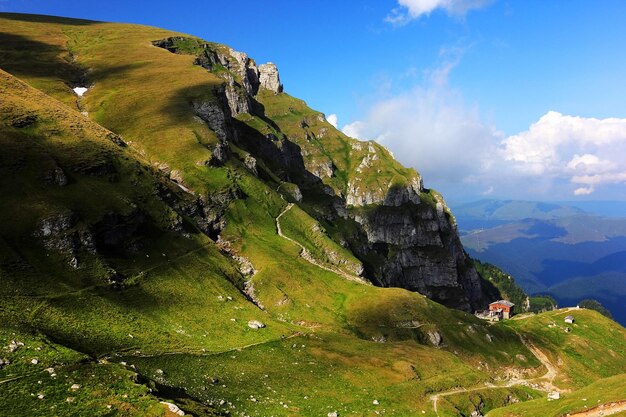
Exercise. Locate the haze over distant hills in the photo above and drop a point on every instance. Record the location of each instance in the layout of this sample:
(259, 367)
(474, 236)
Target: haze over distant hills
(552, 248)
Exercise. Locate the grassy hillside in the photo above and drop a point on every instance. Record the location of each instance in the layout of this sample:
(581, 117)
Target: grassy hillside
(593, 348)
(110, 264)
(601, 397)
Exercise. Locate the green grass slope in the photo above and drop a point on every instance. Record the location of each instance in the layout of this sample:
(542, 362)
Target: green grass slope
(593, 348)
(601, 397)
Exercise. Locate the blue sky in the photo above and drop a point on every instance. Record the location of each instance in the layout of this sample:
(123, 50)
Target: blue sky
(516, 99)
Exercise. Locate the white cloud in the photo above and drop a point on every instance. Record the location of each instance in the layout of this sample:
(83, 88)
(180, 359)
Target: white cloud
(433, 130)
(357, 130)
(586, 151)
(332, 119)
(590, 164)
(608, 178)
(414, 9)
(583, 191)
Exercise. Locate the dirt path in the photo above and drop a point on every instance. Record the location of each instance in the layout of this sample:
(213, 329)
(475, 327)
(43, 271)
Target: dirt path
(435, 398)
(15, 378)
(543, 383)
(306, 255)
(551, 369)
(235, 349)
(607, 409)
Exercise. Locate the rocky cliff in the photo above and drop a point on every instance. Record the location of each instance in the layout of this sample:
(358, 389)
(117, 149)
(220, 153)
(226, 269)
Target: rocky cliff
(403, 233)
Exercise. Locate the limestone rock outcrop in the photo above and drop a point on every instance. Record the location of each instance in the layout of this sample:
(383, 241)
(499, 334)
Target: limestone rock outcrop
(419, 249)
(269, 78)
(216, 116)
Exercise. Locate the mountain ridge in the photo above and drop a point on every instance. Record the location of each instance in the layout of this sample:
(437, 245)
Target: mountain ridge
(160, 267)
(291, 141)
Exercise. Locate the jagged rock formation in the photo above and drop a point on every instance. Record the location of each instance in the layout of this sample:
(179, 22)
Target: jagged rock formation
(243, 79)
(269, 78)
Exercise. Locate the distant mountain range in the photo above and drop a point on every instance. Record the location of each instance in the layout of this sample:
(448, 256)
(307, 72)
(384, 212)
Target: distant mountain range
(552, 248)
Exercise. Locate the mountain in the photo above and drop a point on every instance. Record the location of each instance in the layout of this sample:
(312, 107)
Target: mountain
(551, 249)
(490, 213)
(599, 208)
(181, 235)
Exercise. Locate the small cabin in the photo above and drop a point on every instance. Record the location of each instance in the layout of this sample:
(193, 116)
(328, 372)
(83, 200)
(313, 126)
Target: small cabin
(569, 319)
(504, 308)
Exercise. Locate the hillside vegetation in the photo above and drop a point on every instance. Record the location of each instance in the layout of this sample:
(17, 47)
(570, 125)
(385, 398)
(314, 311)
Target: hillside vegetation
(158, 249)
(509, 289)
(557, 252)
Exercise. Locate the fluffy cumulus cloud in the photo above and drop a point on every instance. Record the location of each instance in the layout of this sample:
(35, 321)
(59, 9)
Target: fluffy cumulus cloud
(431, 129)
(408, 10)
(435, 131)
(588, 152)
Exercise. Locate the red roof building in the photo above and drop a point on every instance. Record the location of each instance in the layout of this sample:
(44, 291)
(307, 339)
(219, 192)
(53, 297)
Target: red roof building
(502, 307)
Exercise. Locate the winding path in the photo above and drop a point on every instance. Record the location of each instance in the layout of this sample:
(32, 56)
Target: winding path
(539, 383)
(306, 255)
(551, 369)
(234, 349)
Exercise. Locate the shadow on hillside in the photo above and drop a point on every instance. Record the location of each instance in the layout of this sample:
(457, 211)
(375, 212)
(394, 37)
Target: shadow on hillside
(103, 73)
(179, 109)
(22, 56)
(39, 18)
(258, 109)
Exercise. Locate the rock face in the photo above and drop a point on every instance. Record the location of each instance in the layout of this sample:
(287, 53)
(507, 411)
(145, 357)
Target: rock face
(248, 72)
(395, 196)
(269, 78)
(243, 79)
(419, 249)
(216, 116)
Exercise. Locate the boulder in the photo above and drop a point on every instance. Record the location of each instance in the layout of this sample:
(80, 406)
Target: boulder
(250, 163)
(56, 177)
(435, 337)
(554, 395)
(173, 408)
(255, 324)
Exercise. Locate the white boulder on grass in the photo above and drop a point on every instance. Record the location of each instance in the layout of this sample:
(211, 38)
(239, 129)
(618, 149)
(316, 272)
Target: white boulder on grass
(255, 324)
(173, 408)
(554, 395)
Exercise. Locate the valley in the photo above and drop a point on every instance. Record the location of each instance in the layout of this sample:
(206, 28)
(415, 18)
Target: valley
(551, 249)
